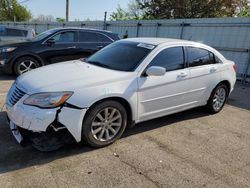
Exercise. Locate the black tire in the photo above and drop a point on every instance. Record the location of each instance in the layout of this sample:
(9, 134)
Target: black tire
(211, 104)
(91, 116)
(20, 69)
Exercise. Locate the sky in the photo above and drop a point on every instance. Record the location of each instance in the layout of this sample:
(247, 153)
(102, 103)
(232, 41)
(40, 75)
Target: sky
(78, 9)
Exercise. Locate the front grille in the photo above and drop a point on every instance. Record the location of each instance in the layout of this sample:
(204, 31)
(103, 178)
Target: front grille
(14, 95)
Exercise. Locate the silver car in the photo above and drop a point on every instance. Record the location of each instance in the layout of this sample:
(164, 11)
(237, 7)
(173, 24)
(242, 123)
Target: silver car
(15, 34)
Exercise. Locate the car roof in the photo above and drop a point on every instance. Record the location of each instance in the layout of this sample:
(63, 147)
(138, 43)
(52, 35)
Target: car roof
(13, 27)
(78, 28)
(158, 41)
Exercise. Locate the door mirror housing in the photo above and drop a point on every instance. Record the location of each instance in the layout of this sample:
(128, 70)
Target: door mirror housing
(156, 71)
(51, 41)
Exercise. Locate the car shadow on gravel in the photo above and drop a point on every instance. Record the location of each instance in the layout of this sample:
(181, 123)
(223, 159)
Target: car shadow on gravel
(14, 157)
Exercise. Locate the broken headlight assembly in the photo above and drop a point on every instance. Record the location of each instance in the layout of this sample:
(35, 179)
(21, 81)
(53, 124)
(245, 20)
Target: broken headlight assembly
(48, 99)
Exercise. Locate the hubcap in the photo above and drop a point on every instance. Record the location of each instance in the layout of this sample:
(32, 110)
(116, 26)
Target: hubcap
(26, 66)
(106, 124)
(219, 98)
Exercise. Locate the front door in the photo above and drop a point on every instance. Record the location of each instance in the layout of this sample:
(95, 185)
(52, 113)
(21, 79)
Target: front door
(64, 48)
(162, 95)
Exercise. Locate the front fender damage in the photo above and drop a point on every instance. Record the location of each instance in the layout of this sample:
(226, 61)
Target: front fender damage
(65, 129)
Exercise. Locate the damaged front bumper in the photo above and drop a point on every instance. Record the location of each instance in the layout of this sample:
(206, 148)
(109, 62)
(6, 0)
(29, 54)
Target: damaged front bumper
(47, 129)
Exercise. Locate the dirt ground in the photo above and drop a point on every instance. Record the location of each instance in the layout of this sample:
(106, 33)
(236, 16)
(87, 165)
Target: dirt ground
(188, 149)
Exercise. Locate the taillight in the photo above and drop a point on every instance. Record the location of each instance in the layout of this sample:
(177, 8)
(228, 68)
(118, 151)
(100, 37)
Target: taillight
(33, 33)
(234, 66)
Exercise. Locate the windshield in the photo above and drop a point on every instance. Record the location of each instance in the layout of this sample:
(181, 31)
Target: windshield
(122, 55)
(43, 35)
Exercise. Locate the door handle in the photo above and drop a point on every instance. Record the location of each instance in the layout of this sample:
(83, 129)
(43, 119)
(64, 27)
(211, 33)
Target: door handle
(182, 74)
(99, 47)
(213, 69)
(72, 47)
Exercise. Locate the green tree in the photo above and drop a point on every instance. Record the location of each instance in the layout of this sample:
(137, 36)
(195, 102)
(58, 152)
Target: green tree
(60, 19)
(244, 13)
(165, 9)
(132, 12)
(11, 10)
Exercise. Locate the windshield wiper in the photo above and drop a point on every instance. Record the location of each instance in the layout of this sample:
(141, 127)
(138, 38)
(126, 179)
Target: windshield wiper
(98, 64)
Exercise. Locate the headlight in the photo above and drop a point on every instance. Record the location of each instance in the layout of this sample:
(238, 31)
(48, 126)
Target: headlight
(7, 49)
(48, 100)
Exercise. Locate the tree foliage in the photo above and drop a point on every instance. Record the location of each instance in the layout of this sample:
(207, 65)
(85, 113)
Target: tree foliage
(165, 9)
(11, 10)
(133, 12)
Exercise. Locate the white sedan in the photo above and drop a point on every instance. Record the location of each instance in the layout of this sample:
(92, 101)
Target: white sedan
(127, 82)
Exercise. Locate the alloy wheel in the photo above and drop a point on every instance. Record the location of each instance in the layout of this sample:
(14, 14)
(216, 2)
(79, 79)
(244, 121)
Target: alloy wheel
(106, 124)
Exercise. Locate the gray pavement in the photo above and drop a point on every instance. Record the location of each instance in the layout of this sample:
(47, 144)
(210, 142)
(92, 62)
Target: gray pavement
(188, 149)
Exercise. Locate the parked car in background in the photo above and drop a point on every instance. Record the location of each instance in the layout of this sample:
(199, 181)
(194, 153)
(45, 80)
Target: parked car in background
(53, 46)
(127, 82)
(15, 34)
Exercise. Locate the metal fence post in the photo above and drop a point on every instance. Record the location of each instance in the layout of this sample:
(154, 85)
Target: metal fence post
(157, 29)
(183, 25)
(138, 28)
(247, 67)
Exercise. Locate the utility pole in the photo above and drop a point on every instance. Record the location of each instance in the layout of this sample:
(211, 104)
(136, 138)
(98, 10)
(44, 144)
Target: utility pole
(67, 10)
(104, 21)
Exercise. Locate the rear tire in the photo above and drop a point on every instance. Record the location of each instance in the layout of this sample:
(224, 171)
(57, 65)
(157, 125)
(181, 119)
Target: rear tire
(217, 99)
(25, 64)
(104, 124)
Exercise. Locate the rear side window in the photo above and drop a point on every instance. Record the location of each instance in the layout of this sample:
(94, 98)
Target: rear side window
(170, 58)
(87, 37)
(103, 38)
(199, 56)
(2, 31)
(15, 32)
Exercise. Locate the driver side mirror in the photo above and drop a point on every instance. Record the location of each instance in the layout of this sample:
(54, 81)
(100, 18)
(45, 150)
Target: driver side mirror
(51, 41)
(156, 71)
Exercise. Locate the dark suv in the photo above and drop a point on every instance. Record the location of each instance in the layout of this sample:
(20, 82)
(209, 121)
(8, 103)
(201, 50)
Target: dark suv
(52, 46)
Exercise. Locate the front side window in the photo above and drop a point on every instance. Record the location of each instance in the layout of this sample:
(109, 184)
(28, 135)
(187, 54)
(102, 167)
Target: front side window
(122, 56)
(199, 56)
(170, 59)
(64, 37)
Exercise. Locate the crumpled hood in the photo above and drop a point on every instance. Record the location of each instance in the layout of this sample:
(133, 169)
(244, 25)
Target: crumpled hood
(68, 76)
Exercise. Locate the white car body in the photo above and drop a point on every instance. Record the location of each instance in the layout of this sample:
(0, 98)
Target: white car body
(148, 97)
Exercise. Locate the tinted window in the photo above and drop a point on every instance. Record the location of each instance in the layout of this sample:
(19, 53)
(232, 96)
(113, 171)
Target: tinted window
(2, 31)
(87, 37)
(217, 60)
(170, 58)
(123, 56)
(15, 32)
(198, 57)
(68, 36)
(103, 38)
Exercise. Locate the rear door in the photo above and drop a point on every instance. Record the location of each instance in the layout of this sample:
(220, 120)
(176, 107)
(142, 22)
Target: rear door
(90, 42)
(204, 73)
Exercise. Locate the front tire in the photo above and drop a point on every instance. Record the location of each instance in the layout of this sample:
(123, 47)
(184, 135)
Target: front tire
(25, 64)
(104, 124)
(218, 98)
